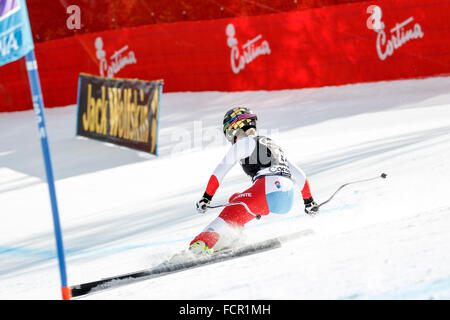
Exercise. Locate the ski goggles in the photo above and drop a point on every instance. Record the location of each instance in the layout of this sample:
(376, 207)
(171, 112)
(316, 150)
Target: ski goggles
(230, 123)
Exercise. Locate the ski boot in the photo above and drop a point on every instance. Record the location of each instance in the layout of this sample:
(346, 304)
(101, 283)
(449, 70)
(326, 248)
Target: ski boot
(199, 248)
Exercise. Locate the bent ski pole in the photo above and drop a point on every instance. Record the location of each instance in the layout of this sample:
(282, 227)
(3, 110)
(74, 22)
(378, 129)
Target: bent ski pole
(258, 216)
(383, 175)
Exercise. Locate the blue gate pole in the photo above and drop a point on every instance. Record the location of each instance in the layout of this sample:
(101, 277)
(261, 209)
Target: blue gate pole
(38, 105)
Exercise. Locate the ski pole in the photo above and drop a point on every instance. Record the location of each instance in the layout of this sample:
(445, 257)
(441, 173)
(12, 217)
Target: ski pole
(258, 216)
(383, 175)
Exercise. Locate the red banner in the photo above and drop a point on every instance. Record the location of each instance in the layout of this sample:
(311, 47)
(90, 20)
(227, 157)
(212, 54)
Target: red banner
(359, 42)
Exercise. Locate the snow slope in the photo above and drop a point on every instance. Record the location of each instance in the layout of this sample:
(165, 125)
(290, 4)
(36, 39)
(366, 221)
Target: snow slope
(123, 210)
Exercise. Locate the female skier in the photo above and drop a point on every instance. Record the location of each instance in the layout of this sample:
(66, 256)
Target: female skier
(272, 176)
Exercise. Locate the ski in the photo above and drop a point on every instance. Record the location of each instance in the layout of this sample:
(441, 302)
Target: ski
(166, 269)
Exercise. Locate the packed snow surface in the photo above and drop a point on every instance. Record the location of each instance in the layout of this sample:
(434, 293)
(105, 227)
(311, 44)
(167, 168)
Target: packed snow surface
(122, 210)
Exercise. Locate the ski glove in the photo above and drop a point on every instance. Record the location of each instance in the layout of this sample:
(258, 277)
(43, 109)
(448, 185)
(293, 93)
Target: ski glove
(203, 204)
(311, 207)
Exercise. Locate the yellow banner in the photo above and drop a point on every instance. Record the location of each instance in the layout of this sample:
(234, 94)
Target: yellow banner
(120, 111)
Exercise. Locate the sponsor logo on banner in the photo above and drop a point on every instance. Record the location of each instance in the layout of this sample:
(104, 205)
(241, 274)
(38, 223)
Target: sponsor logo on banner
(253, 48)
(117, 61)
(15, 33)
(9, 42)
(120, 111)
(400, 34)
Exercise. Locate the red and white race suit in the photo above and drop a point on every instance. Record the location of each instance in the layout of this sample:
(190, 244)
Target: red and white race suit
(272, 191)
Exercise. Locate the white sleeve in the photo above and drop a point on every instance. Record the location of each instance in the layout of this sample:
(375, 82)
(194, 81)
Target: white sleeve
(242, 149)
(297, 174)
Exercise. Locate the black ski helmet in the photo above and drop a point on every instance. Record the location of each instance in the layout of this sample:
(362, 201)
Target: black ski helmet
(237, 120)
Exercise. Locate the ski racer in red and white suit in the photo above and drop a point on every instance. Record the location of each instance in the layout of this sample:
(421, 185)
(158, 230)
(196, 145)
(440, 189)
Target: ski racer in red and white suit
(273, 178)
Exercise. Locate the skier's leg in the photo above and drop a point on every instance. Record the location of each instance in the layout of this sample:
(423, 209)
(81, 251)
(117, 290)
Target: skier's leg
(254, 198)
(210, 235)
(226, 228)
